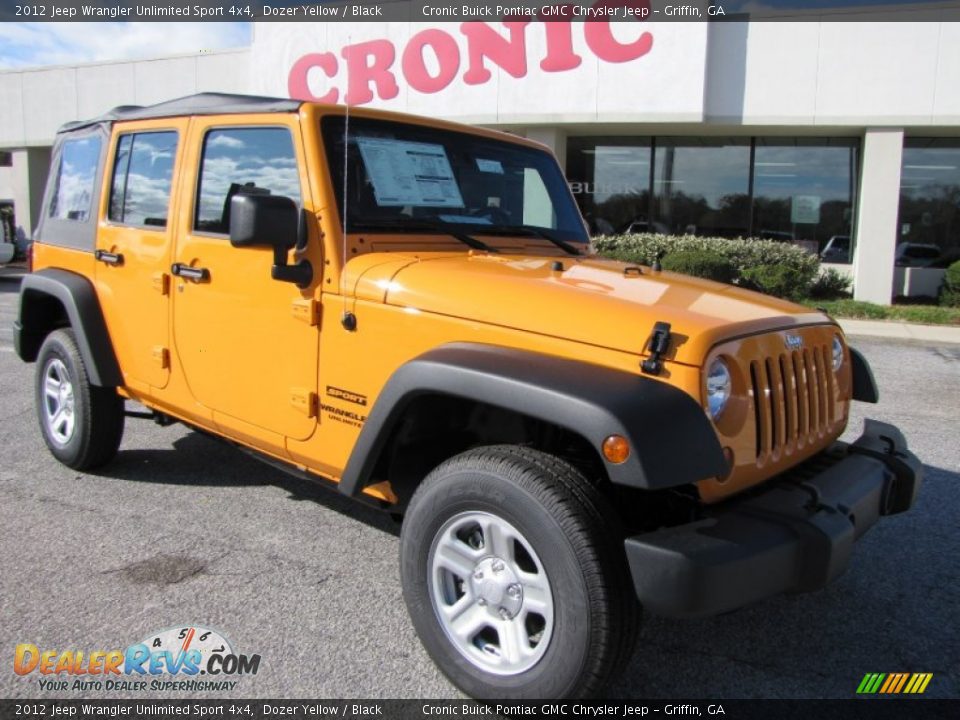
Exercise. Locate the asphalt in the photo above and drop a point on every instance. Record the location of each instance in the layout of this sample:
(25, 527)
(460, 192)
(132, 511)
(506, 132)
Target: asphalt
(182, 530)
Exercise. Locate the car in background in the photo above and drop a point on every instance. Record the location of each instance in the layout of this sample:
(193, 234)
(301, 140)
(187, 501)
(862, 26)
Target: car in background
(776, 236)
(916, 255)
(642, 225)
(837, 250)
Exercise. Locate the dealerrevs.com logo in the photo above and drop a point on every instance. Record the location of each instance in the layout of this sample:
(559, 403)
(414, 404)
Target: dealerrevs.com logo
(190, 657)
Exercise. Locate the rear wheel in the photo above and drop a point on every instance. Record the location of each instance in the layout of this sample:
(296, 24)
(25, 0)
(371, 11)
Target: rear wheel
(82, 424)
(514, 574)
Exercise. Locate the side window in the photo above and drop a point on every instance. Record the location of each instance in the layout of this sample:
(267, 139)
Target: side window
(243, 160)
(75, 177)
(142, 178)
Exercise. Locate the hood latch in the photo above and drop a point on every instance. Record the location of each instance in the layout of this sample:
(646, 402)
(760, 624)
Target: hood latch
(658, 344)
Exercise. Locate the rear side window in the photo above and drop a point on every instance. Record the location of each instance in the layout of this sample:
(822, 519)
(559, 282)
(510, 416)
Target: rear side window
(243, 160)
(142, 178)
(74, 189)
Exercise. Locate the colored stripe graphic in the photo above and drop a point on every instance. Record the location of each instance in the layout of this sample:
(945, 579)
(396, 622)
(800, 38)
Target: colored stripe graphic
(894, 683)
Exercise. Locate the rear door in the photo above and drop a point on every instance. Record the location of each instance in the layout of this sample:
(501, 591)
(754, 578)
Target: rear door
(134, 248)
(247, 350)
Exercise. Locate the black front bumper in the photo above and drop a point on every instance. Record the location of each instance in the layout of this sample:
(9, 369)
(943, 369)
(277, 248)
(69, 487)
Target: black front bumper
(796, 534)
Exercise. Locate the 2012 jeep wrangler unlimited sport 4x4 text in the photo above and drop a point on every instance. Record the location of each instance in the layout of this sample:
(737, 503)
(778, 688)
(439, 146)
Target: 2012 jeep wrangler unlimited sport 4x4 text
(408, 310)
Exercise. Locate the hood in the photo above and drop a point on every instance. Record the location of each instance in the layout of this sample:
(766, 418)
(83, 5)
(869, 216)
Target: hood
(591, 300)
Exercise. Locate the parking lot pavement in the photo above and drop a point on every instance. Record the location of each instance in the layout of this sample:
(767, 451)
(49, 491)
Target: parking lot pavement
(181, 529)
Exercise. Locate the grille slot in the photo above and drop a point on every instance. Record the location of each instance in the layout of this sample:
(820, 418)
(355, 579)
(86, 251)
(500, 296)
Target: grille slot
(793, 400)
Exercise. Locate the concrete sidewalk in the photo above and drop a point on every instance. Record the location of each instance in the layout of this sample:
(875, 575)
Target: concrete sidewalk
(901, 331)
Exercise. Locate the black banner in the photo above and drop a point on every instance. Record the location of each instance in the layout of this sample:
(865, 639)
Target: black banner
(435, 11)
(878, 709)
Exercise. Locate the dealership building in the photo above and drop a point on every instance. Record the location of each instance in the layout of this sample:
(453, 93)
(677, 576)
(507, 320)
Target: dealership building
(829, 131)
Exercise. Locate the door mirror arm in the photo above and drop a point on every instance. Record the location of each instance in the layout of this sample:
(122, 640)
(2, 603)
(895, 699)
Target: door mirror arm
(300, 274)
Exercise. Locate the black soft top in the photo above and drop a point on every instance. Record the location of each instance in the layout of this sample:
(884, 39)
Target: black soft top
(200, 104)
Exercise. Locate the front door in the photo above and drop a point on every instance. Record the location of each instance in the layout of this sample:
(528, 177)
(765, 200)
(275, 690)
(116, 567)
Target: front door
(134, 249)
(247, 350)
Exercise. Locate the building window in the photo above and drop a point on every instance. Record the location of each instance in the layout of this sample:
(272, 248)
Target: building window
(804, 193)
(610, 177)
(702, 186)
(79, 160)
(243, 160)
(142, 178)
(797, 190)
(929, 203)
(6, 159)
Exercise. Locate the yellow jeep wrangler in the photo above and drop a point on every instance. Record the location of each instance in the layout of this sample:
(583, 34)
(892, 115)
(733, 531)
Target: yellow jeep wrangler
(408, 310)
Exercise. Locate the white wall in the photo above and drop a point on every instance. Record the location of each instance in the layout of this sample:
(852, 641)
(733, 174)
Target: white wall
(6, 183)
(876, 225)
(35, 102)
(835, 73)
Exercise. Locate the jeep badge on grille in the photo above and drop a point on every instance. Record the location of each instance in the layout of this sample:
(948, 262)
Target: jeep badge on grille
(794, 342)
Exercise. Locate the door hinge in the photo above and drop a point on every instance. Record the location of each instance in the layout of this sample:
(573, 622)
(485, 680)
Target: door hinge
(161, 283)
(305, 401)
(161, 356)
(307, 311)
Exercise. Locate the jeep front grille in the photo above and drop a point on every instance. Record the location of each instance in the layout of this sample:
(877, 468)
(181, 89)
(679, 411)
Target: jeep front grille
(793, 400)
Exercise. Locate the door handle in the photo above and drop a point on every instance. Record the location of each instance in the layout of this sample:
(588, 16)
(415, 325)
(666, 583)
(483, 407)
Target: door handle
(108, 257)
(190, 273)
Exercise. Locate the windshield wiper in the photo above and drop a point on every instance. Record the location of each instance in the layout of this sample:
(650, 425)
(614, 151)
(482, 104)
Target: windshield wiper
(421, 224)
(533, 230)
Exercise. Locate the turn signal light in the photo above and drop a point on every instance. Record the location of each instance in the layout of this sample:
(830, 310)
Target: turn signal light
(616, 449)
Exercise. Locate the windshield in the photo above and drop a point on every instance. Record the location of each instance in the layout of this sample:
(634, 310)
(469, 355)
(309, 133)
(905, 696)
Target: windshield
(409, 178)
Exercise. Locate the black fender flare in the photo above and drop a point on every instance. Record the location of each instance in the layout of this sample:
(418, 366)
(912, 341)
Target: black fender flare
(864, 384)
(672, 441)
(79, 300)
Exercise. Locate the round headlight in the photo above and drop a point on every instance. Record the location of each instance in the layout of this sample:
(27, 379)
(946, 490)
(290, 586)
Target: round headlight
(837, 353)
(718, 387)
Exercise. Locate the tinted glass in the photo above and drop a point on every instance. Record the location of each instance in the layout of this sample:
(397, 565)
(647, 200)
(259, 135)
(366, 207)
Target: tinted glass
(610, 179)
(804, 193)
(702, 186)
(75, 177)
(930, 201)
(243, 160)
(405, 178)
(142, 178)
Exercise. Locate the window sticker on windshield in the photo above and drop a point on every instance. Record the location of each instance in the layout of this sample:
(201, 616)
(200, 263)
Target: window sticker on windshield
(409, 173)
(489, 166)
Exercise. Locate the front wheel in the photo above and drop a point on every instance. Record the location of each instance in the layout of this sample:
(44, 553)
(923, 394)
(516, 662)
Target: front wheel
(81, 423)
(515, 576)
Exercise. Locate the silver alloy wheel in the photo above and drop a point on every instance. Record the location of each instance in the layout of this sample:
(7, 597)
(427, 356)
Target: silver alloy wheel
(58, 405)
(490, 593)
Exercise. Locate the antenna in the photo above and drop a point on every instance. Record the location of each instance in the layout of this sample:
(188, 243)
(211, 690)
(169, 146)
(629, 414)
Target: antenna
(347, 318)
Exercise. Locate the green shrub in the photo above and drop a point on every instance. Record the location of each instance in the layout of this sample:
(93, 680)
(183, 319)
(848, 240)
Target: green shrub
(783, 281)
(950, 298)
(950, 291)
(743, 254)
(702, 264)
(831, 285)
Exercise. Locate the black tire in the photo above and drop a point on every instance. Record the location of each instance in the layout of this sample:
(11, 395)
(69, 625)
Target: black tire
(97, 412)
(575, 534)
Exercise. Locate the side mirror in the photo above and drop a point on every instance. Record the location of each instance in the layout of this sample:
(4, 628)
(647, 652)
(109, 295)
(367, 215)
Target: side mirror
(270, 221)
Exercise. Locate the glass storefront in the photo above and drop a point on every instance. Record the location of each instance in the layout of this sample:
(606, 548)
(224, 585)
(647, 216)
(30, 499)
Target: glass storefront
(929, 203)
(702, 186)
(797, 190)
